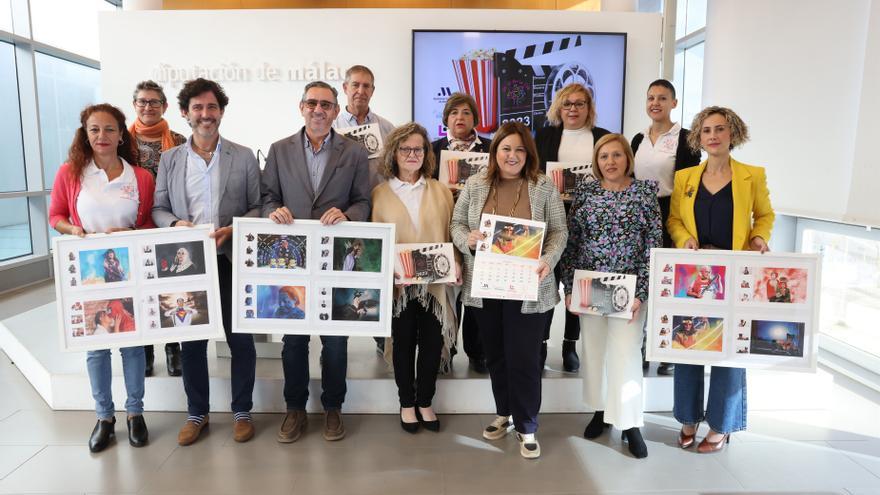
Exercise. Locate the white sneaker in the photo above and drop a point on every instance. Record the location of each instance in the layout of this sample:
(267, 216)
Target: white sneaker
(528, 445)
(498, 428)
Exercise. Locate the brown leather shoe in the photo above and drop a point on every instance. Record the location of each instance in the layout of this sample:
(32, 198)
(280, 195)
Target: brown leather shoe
(242, 430)
(333, 427)
(293, 426)
(190, 432)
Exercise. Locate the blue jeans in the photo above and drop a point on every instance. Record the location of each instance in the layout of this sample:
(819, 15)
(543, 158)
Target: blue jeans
(726, 409)
(101, 377)
(334, 366)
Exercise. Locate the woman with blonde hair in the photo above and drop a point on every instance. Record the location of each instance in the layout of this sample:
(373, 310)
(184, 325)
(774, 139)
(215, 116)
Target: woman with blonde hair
(719, 204)
(570, 137)
(423, 318)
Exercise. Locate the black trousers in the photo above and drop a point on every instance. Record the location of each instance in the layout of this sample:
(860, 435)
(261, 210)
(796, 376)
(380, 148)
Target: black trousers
(512, 343)
(572, 322)
(416, 377)
(194, 357)
(470, 334)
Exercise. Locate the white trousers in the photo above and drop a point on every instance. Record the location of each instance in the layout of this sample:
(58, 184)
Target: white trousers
(613, 374)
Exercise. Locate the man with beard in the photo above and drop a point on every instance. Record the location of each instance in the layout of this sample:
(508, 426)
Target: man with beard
(321, 175)
(209, 179)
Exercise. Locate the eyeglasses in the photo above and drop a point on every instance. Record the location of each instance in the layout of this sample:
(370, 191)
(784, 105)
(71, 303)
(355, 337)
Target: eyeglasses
(141, 103)
(325, 105)
(580, 104)
(411, 151)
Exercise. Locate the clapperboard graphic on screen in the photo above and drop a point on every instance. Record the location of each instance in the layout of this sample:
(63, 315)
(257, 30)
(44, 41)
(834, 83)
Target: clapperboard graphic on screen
(526, 88)
(425, 263)
(368, 135)
(457, 166)
(568, 175)
(605, 294)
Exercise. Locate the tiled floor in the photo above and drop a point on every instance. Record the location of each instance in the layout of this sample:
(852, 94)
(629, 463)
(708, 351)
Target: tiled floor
(791, 452)
(830, 451)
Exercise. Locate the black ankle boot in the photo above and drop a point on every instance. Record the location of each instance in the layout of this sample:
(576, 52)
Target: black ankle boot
(148, 360)
(543, 355)
(103, 433)
(637, 445)
(137, 431)
(596, 425)
(172, 359)
(570, 361)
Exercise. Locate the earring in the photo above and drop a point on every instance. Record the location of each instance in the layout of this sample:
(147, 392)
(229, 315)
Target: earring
(121, 141)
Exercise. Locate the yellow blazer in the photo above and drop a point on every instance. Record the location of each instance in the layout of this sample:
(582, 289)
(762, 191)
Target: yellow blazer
(752, 213)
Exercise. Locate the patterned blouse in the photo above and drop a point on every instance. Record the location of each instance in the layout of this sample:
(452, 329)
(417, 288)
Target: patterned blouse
(149, 152)
(613, 231)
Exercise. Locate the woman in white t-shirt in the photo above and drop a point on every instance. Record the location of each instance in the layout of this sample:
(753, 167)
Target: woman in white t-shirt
(570, 138)
(101, 189)
(660, 156)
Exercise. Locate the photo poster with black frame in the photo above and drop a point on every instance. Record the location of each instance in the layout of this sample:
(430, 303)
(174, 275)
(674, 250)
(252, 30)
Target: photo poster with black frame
(137, 287)
(456, 167)
(514, 75)
(507, 258)
(306, 278)
(424, 263)
(734, 308)
(368, 135)
(603, 294)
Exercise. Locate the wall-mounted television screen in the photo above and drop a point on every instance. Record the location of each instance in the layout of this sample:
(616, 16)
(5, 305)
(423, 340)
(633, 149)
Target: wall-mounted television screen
(514, 75)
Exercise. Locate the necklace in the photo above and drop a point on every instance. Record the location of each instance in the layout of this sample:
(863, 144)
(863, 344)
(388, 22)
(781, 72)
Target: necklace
(210, 153)
(515, 200)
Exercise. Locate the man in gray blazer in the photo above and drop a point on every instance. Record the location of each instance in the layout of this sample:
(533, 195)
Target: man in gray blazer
(210, 180)
(315, 174)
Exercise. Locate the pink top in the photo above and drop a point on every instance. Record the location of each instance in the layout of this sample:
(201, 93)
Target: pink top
(66, 191)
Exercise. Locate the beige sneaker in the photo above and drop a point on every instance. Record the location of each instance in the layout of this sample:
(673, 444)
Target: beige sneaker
(334, 429)
(293, 426)
(528, 445)
(499, 428)
(191, 430)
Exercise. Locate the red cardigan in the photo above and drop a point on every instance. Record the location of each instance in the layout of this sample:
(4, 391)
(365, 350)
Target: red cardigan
(66, 191)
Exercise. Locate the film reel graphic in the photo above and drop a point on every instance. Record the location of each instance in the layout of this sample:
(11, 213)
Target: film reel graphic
(604, 295)
(425, 263)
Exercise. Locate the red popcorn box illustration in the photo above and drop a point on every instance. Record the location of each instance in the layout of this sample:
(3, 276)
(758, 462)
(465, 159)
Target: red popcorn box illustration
(406, 261)
(475, 73)
(557, 176)
(452, 169)
(586, 286)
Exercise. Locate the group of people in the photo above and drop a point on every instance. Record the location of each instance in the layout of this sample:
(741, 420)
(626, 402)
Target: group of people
(651, 193)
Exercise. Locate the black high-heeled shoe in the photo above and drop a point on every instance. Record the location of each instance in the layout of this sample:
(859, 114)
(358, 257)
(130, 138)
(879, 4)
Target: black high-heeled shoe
(102, 435)
(137, 431)
(429, 425)
(637, 447)
(596, 425)
(409, 427)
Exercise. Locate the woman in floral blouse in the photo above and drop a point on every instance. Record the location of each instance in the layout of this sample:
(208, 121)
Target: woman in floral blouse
(614, 223)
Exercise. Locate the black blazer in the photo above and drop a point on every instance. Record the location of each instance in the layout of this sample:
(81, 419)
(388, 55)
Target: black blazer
(548, 138)
(443, 144)
(684, 156)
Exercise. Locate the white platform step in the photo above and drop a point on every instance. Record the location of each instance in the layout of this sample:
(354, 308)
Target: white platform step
(30, 341)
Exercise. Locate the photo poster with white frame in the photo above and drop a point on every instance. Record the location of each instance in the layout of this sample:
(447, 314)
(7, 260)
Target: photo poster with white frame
(425, 263)
(455, 167)
(138, 287)
(566, 176)
(368, 135)
(738, 309)
(507, 258)
(306, 278)
(603, 294)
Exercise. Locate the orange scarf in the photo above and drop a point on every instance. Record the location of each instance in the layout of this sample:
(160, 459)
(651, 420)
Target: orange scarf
(160, 129)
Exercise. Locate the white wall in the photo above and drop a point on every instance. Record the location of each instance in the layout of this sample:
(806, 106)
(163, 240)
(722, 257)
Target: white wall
(793, 70)
(261, 112)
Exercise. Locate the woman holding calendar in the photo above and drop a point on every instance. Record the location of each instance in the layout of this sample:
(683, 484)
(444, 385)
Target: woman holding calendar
(512, 331)
(614, 223)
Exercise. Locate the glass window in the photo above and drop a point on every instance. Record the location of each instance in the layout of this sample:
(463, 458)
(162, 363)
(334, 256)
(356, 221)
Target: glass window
(691, 99)
(63, 89)
(11, 151)
(690, 16)
(5, 16)
(51, 21)
(15, 229)
(678, 82)
(850, 300)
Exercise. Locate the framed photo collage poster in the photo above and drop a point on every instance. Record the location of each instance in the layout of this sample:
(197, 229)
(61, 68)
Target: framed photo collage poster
(137, 288)
(309, 279)
(734, 308)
